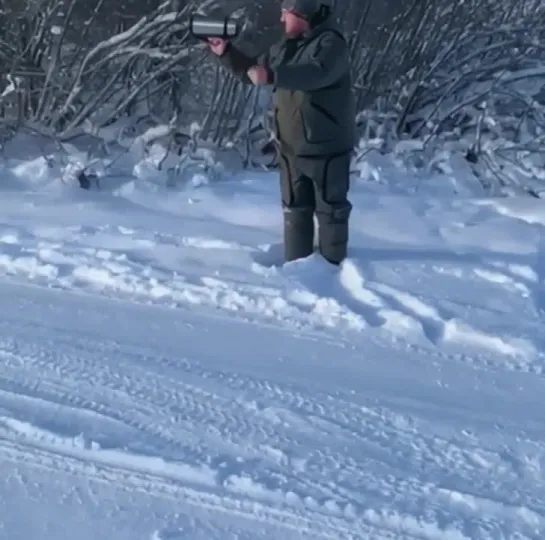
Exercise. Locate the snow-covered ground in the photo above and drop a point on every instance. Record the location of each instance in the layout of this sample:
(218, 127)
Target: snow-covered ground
(159, 379)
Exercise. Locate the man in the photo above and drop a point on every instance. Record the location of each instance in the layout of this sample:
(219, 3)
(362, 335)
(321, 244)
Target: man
(314, 115)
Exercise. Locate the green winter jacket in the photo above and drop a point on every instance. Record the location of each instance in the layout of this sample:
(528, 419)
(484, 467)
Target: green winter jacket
(314, 105)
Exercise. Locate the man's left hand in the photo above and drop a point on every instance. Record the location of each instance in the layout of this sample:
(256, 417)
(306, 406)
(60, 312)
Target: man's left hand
(258, 74)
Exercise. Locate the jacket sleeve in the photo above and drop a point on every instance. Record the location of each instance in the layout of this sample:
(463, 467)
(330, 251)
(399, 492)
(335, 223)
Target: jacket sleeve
(239, 63)
(326, 63)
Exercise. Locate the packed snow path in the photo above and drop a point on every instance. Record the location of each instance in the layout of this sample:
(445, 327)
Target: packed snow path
(162, 378)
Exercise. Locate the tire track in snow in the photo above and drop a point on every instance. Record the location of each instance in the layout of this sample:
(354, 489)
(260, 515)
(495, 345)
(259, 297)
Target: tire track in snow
(369, 451)
(232, 427)
(82, 463)
(159, 407)
(180, 483)
(272, 441)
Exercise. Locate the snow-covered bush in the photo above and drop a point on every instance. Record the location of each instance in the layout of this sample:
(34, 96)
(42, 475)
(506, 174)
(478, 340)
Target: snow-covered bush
(110, 71)
(463, 77)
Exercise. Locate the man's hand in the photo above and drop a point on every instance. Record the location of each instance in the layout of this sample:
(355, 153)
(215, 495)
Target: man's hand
(258, 74)
(217, 45)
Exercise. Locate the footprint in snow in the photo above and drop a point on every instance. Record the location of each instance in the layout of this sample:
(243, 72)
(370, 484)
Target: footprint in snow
(269, 256)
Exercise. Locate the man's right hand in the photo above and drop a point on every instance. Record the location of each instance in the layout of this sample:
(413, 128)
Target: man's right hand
(217, 45)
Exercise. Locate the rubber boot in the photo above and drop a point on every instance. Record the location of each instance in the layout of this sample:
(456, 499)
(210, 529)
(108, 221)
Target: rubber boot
(298, 233)
(334, 232)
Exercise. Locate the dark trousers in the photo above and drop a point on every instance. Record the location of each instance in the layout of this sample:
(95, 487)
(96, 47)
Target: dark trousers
(315, 186)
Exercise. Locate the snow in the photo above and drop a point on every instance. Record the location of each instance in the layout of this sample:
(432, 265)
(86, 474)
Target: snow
(165, 377)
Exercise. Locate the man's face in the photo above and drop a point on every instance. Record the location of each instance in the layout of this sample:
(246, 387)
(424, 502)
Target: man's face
(293, 24)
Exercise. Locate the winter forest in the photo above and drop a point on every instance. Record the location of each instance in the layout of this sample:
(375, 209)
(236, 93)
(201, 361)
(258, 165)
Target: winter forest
(429, 75)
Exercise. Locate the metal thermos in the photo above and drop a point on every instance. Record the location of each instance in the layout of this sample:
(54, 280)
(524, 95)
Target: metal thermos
(206, 27)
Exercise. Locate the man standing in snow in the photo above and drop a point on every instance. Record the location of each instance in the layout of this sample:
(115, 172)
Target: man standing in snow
(314, 115)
